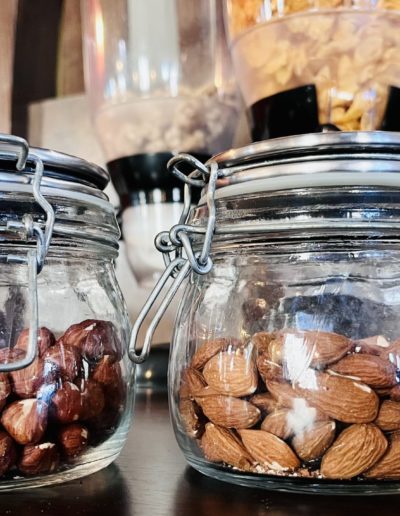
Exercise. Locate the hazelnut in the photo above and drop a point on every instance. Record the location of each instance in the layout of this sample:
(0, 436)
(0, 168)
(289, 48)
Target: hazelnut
(8, 452)
(107, 372)
(25, 420)
(45, 339)
(27, 381)
(92, 398)
(66, 404)
(5, 389)
(63, 360)
(94, 339)
(39, 459)
(73, 439)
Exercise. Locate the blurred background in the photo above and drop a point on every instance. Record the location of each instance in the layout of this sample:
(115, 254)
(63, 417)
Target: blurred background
(145, 99)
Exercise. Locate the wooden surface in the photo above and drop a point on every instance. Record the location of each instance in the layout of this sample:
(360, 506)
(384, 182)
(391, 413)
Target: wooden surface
(70, 60)
(7, 28)
(151, 478)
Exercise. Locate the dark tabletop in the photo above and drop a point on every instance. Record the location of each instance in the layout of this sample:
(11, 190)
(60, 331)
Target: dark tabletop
(151, 478)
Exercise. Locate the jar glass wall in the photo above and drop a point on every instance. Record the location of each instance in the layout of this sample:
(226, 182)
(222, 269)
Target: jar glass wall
(69, 412)
(284, 368)
(284, 371)
(345, 52)
(66, 383)
(158, 75)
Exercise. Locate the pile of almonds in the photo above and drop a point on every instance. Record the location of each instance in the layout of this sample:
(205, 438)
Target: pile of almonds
(351, 56)
(70, 397)
(296, 403)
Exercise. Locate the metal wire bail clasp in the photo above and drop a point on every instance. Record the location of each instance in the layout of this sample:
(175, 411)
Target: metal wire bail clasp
(176, 246)
(28, 229)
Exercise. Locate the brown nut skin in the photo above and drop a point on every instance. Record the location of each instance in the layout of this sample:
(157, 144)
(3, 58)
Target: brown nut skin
(73, 439)
(26, 382)
(92, 397)
(94, 339)
(7, 355)
(39, 459)
(8, 452)
(109, 375)
(64, 361)
(45, 339)
(66, 404)
(25, 420)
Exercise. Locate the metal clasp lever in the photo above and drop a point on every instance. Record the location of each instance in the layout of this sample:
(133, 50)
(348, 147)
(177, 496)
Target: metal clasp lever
(181, 267)
(29, 229)
(172, 244)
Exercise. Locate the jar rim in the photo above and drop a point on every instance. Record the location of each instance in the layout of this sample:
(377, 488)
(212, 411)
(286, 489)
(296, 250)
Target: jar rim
(309, 160)
(57, 165)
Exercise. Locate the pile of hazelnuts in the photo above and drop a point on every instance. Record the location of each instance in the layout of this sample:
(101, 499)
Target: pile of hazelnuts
(72, 396)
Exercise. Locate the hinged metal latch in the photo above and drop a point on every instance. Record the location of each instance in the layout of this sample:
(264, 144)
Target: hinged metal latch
(28, 229)
(177, 249)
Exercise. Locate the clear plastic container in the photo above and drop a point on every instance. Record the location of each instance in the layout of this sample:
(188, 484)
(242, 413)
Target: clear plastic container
(346, 52)
(284, 366)
(66, 382)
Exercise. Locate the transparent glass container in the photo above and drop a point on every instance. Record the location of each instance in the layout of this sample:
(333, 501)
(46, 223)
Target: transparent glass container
(284, 369)
(158, 75)
(314, 64)
(67, 413)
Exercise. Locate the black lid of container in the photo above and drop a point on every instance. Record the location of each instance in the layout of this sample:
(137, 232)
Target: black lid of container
(58, 165)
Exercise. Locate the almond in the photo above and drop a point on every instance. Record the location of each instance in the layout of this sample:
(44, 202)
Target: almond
(192, 418)
(265, 402)
(269, 370)
(270, 451)
(389, 416)
(262, 340)
(211, 348)
(393, 353)
(372, 345)
(278, 423)
(369, 369)
(356, 450)
(233, 374)
(282, 392)
(395, 393)
(229, 412)
(297, 350)
(25, 420)
(192, 382)
(286, 396)
(222, 445)
(313, 443)
(340, 398)
(206, 391)
(388, 467)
